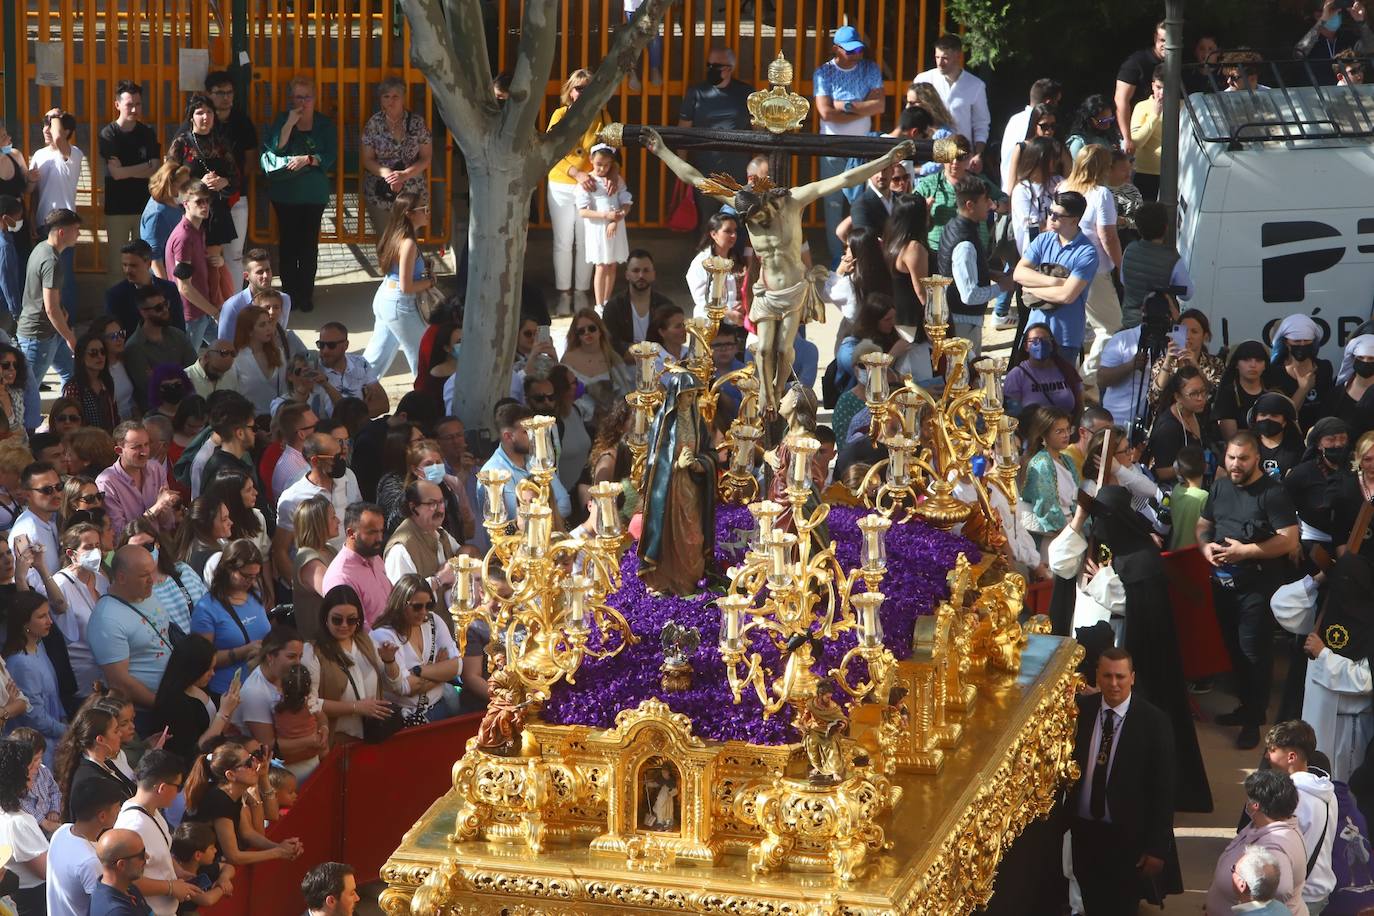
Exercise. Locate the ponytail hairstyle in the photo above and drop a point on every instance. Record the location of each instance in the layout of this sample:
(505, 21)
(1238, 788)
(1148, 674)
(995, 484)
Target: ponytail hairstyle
(212, 769)
(90, 723)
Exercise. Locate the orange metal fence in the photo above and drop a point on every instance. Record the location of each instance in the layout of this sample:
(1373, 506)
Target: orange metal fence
(348, 46)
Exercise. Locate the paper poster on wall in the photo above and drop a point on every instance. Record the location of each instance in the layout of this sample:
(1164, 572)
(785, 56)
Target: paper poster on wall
(193, 64)
(47, 59)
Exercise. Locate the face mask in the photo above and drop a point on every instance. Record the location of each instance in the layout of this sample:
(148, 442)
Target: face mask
(1333, 24)
(1301, 352)
(338, 468)
(1268, 427)
(1336, 455)
(1364, 369)
(90, 560)
(715, 73)
(434, 473)
(172, 394)
(18, 224)
(455, 349)
(6, 149)
(1039, 348)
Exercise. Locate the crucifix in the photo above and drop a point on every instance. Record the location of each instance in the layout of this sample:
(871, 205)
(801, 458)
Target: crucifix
(787, 294)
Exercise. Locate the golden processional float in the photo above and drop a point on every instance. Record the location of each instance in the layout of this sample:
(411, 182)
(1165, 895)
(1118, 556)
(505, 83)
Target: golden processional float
(889, 781)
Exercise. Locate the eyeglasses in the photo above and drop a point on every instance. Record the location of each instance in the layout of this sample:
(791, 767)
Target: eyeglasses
(424, 209)
(121, 334)
(141, 854)
(11, 365)
(1055, 216)
(96, 352)
(343, 621)
(51, 489)
(330, 344)
(1046, 125)
(259, 754)
(422, 605)
(67, 418)
(586, 329)
(433, 503)
(90, 499)
(224, 353)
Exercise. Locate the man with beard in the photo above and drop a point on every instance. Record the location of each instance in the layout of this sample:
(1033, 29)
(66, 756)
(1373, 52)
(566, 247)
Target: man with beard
(257, 270)
(136, 261)
(328, 477)
(420, 545)
(511, 456)
(1247, 530)
(214, 370)
(359, 564)
(627, 314)
(233, 424)
(155, 342)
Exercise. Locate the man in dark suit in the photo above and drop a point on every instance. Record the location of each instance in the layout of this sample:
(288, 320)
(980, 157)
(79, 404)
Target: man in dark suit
(627, 314)
(1121, 810)
(872, 207)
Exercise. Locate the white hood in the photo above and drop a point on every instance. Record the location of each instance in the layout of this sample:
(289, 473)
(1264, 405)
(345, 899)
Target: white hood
(1317, 809)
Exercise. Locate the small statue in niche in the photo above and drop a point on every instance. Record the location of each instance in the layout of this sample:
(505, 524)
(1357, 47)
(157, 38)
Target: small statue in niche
(504, 722)
(679, 643)
(822, 722)
(660, 796)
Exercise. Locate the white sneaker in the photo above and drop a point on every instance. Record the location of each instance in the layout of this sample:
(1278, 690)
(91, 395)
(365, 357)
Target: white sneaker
(1003, 324)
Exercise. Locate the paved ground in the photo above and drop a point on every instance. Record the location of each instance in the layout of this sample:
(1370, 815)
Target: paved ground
(347, 280)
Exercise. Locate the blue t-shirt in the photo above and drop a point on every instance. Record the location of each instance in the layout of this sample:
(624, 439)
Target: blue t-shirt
(107, 901)
(852, 85)
(211, 616)
(1080, 257)
(117, 633)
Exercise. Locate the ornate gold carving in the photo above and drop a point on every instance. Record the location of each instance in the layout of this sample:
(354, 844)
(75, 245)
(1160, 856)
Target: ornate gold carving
(778, 109)
(511, 798)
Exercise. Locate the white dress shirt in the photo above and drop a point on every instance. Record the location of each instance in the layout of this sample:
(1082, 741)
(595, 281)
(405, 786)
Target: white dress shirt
(1014, 133)
(967, 101)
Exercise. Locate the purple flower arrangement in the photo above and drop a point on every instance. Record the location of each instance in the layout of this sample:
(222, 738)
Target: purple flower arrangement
(918, 559)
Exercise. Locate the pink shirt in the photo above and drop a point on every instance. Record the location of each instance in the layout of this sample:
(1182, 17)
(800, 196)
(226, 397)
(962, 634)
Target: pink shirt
(366, 575)
(187, 243)
(126, 500)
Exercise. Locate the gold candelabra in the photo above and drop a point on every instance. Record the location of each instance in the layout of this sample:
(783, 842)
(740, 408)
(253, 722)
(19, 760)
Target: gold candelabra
(931, 440)
(795, 594)
(557, 582)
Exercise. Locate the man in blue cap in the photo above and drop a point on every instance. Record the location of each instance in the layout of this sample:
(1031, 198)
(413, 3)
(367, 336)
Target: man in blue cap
(849, 95)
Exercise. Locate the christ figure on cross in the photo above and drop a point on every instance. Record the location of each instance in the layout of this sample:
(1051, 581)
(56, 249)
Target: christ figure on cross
(787, 295)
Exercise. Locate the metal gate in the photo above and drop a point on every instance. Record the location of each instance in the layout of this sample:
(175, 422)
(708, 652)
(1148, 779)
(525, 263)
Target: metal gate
(348, 46)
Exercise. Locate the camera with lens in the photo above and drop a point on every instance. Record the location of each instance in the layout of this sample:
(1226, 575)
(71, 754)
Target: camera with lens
(1157, 320)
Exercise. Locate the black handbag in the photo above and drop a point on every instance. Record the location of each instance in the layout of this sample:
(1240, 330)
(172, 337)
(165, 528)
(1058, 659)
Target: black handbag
(375, 731)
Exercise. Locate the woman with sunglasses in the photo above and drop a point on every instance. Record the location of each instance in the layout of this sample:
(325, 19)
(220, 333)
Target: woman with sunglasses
(14, 376)
(64, 416)
(91, 385)
(428, 653)
(115, 337)
(1094, 124)
(215, 791)
(1038, 176)
(590, 356)
(348, 670)
(231, 616)
(79, 493)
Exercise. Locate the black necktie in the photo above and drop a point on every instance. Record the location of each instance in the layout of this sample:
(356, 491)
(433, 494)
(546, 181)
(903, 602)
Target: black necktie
(1097, 800)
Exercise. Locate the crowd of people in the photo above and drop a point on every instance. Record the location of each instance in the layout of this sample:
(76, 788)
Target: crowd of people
(227, 553)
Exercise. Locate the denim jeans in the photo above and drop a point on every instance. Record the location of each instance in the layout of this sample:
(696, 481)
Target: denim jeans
(834, 207)
(398, 326)
(197, 328)
(1001, 307)
(44, 354)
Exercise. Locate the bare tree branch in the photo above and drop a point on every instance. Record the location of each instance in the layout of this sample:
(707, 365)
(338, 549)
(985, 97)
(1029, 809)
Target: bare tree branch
(538, 43)
(630, 41)
(458, 76)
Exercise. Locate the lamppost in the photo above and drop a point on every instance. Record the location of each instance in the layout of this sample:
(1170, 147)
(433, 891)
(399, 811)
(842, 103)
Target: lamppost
(1173, 94)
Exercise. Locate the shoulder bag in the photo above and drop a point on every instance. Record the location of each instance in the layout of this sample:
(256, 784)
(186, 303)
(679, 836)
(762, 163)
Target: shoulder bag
(375, 731)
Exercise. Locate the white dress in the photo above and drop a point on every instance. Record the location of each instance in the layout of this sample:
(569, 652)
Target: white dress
(601, 250)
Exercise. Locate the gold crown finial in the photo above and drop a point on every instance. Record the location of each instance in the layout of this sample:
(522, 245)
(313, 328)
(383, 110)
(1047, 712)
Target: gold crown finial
(780, 71)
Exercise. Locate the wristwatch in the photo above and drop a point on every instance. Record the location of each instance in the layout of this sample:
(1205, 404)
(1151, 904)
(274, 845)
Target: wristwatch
(849, 107)
(415, 670)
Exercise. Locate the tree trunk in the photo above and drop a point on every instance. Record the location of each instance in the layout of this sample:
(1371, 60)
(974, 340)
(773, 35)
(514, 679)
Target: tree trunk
(498, 223)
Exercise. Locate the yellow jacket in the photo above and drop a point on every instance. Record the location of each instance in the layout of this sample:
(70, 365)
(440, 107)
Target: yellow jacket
(1147, 133)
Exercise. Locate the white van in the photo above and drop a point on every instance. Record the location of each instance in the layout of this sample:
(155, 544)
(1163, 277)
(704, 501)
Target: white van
(1276, 209)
